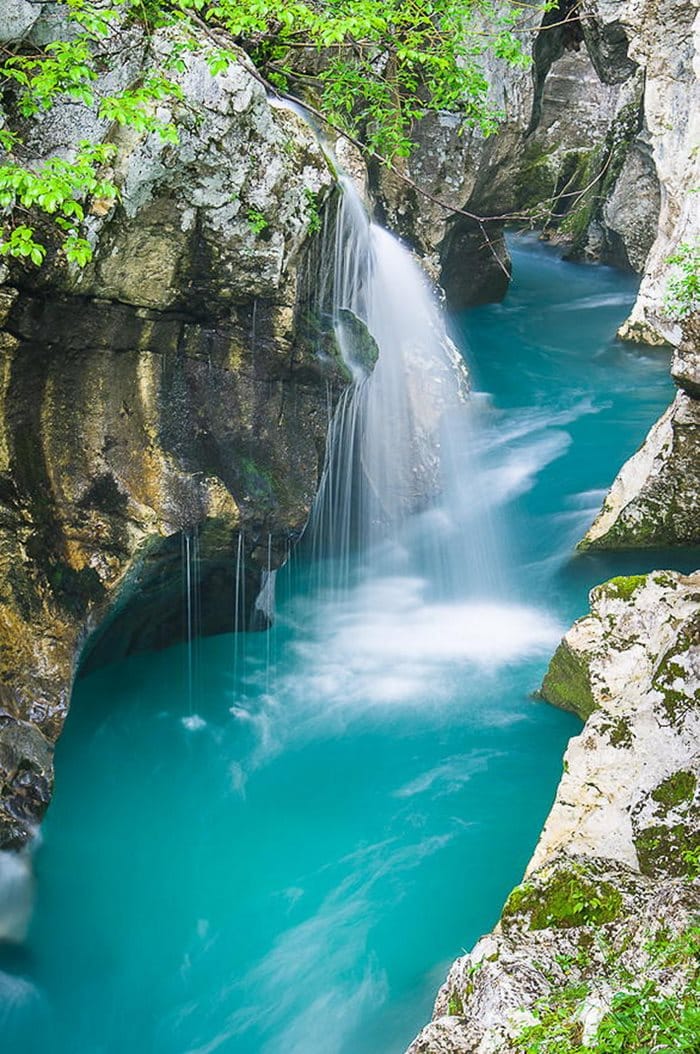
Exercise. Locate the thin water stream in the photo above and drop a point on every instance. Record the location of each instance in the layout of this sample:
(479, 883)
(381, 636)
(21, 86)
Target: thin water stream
(284, 856)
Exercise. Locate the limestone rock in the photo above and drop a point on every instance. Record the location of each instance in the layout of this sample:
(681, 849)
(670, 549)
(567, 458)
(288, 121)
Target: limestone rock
(685, 368)
(641, 647)
(170, 392)
(654, 500)
(631, 211)
(664, 42)
(613, 880)
(598, 147)
(17, 18)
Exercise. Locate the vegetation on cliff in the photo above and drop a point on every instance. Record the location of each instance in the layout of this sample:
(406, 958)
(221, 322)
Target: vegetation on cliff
(371, 69)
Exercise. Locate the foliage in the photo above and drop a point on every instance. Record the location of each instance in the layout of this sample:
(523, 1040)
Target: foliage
(567, 899)
(378, 68)
(643, 1015)
(56, 186)
(313, 214)
(257, 221)
(683, 288)
(691, 860)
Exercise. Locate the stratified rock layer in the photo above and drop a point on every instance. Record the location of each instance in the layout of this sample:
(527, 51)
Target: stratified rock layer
(171, 397)
(616, 864)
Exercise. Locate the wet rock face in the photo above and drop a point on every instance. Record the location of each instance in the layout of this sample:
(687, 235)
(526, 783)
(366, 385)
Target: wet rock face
(26, 779)
(613, 884)
(172, 394)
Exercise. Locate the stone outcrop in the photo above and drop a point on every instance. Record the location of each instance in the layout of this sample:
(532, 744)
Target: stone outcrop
(654, 501)
(655, 498)
(171, 398)
(614, 878)
(563, 125)
(597, 148)
(665, 42)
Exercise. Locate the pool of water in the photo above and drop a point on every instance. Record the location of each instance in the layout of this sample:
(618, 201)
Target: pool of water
(286, 859)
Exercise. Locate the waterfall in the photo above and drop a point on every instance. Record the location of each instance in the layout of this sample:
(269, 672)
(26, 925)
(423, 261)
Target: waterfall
(390, 457)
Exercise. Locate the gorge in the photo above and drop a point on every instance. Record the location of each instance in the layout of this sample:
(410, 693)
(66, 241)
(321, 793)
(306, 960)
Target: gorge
(332, 770)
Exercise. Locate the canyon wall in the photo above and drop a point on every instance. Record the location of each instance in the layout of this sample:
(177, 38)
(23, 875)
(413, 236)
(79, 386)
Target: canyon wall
(173, 393)
(613, 888)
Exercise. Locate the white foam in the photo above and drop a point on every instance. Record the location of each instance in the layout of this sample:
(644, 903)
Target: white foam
(16, 895)
(194, 723)
(386, 644)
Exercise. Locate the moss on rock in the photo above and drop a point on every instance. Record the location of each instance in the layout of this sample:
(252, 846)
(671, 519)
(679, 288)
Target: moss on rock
(621, 588)
(567, 683)
(678, 789)
(666, 850)
(569, 897)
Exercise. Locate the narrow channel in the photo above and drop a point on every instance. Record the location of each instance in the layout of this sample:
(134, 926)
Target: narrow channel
(285, 857)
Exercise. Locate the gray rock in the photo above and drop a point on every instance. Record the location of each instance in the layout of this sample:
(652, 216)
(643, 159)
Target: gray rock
(655, 498)
(173, 386)
(685, 368)
(17, 18)
(611, 880)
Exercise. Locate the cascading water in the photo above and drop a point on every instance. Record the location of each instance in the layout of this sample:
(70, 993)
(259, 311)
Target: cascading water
(402, 485)
(290, 869)
(383, 460)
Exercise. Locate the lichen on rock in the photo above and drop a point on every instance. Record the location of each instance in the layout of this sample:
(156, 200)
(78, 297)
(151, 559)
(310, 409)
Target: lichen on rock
(653, 502)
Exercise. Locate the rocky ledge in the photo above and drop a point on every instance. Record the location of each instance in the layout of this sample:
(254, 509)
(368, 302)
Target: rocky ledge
(607, 914)
(655, 498)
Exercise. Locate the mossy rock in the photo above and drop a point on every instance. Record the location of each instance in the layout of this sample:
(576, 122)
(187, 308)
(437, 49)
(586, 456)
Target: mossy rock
(621, 588)
(668, 851)
(677, 790)
(569, 897)
(358, 339)
(670, 673)
(567, 683)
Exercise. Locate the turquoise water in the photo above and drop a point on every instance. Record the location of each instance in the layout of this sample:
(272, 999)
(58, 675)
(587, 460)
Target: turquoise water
(287, 862)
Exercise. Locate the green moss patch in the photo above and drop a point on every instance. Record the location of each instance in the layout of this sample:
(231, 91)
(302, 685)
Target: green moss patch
(567, 683)
(568, 898)
(620, 733)
(675, 790)
(666, 851)
(621, 588)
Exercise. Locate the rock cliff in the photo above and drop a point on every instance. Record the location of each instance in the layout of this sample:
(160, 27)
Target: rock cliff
(655, 498)
(597, 148)
(173, 394)
(612, 892)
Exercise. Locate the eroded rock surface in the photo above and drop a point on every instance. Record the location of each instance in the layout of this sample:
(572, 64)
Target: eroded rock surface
(597, 147)
(173, 394)
(655, 499)
(614, 879)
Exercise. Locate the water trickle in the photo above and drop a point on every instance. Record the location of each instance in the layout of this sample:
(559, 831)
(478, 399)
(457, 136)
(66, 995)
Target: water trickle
(238, 604)
(192, 609)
